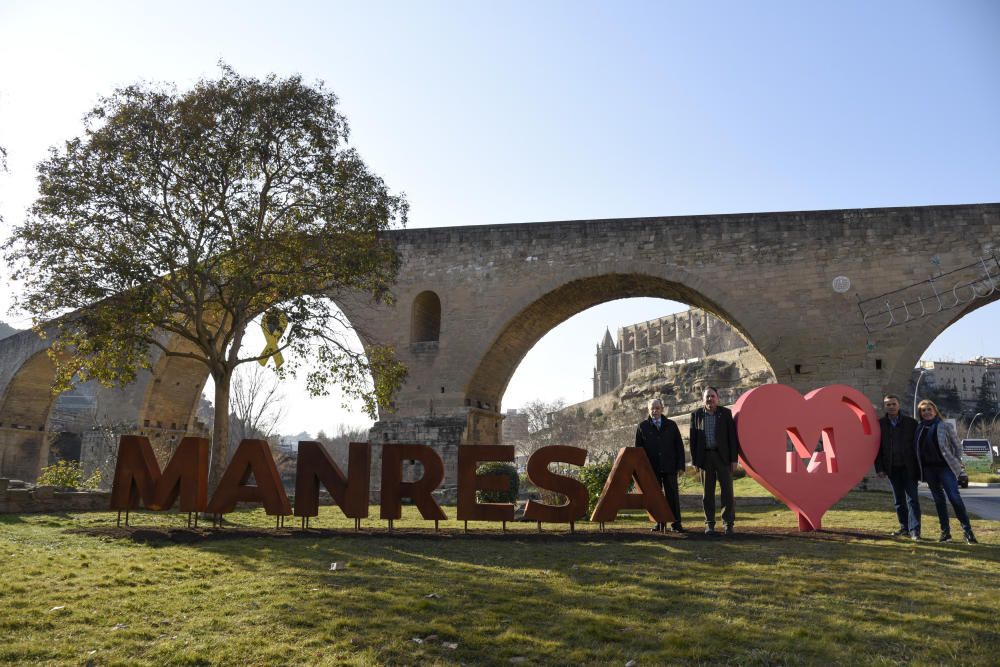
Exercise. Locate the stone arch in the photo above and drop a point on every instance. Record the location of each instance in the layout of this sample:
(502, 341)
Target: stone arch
(425, 318)
(554, 304)
(24, 413)
(171, 397)
(921, 338)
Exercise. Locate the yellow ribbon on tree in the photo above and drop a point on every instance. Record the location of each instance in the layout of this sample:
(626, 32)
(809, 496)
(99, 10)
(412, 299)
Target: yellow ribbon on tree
(273, 324)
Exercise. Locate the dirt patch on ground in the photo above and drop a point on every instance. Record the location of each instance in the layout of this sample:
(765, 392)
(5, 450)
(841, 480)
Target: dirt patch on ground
(153, 535)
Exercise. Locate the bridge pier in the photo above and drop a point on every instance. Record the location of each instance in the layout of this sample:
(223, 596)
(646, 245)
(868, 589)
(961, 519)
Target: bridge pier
(23, 452)
(444, 433)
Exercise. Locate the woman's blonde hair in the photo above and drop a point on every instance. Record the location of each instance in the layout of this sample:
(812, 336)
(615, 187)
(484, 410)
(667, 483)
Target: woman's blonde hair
(928, 402)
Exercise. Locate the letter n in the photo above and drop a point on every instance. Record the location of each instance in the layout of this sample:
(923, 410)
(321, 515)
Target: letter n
(138, 477)
(350, 491)
(394, 489)
(632, 463)
(252, 457)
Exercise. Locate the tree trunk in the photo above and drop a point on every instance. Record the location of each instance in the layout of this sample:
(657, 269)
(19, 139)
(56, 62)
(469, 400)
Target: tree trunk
(220, 432)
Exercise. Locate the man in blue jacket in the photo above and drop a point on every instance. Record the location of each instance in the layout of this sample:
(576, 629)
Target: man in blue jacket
(661, 440)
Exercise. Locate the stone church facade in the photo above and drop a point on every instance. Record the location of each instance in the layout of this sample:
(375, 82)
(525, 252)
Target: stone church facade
(679, 338)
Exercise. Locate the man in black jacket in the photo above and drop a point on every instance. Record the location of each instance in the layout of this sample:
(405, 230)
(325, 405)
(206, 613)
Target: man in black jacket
(661, 439)
(714, 449)
(897, 460)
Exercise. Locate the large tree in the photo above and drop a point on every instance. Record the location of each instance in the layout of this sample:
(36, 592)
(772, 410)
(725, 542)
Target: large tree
(986, 401)
(180, 219)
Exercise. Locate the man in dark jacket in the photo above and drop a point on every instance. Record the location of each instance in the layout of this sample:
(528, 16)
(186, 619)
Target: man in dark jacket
(897, 460)
(661, 439)
(714, 450)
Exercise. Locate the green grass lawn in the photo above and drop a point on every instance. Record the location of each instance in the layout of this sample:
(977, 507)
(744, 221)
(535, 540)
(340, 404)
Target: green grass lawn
(76, 590)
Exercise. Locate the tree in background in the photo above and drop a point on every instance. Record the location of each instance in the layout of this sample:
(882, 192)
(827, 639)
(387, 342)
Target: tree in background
(541, 413)
(946, 398)
(986, 399)
(255, 404)
(342, 436)
(549, 425)
(187, 217)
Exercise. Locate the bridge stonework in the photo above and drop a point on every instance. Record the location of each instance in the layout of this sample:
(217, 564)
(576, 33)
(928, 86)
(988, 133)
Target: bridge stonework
(470, 302)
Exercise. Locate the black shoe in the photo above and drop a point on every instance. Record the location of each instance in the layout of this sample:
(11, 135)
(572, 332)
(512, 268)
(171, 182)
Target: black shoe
(915, 536)
(710, 530)
(902, 532)
(728, 532)
(970, 538)
(677, 528)
(945, 536)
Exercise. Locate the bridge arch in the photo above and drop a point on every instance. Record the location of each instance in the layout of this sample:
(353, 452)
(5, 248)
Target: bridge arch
(160, 404)
(25, 407)
(917, 339)
(554, 303)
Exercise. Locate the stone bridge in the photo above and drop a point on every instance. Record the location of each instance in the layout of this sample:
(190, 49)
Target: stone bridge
(472, 301)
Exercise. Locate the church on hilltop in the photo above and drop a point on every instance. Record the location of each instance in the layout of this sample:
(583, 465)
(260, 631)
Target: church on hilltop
(673, 339)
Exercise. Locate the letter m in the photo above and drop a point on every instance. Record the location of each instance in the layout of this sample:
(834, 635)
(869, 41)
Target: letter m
(138, 476)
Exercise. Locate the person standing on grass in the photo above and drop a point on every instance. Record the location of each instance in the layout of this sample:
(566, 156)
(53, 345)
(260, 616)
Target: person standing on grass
(939, 454)
(897, 461)
(714, 451)
(661, 440)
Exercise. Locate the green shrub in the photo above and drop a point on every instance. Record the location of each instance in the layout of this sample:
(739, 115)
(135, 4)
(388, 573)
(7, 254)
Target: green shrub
(69, 475)
(498, 468)
(594, 475)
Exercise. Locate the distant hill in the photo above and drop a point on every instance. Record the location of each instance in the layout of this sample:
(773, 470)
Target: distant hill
(7, 330)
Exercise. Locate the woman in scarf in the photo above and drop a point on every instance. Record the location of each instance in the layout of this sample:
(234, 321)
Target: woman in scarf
(940, 456)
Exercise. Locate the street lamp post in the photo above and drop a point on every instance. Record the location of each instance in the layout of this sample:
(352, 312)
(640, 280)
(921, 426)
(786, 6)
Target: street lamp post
(915, 388)
(969, 430)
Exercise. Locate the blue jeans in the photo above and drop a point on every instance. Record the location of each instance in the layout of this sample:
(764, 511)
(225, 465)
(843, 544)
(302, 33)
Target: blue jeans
(942, 482)
(905, 499)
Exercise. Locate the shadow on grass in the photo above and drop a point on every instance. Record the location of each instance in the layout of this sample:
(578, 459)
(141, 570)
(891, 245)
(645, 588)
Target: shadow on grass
(769, 595)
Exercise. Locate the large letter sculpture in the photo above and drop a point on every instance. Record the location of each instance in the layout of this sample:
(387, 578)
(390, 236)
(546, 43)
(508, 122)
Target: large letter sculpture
(137, 476)
(573, 489)
(469, 482)
(809, 479)
(252, 458)
(632, 464)
(394, 489)
(350, 491)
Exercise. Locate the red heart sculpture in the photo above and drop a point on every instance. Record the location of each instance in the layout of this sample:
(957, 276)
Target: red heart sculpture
(809, 482)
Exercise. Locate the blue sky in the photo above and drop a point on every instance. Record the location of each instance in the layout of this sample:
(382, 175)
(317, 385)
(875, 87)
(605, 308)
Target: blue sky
(488, 113)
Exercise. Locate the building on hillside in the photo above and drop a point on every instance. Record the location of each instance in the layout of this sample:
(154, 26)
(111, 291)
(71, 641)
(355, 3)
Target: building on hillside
(966, 378)
(679, 338)
(514, 425)
(290, 443)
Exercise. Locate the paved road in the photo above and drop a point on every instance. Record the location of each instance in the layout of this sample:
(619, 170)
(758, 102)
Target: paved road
(983, 502)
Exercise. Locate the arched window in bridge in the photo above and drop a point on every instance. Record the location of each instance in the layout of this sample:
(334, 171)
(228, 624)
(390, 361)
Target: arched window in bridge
(425, 319)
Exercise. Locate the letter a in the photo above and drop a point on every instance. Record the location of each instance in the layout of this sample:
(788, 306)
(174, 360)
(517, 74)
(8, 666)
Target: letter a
(252, 457)
(632, 463)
